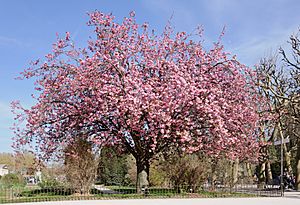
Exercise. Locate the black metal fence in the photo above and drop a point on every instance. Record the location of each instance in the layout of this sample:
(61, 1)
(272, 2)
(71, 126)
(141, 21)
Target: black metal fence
(248, 189)
(37, 194)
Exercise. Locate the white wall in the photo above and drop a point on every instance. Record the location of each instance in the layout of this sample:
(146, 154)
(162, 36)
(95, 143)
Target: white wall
(3, 172)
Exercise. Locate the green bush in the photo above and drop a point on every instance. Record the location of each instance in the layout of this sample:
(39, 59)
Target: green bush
(112, 168)
(12, 180)
(50, 191)
(49, 183)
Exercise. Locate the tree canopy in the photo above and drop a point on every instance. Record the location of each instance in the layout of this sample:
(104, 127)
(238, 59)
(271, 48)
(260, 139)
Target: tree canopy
(142, 92)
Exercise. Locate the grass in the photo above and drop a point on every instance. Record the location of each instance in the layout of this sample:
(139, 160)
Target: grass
(55, 194)
(208, 194)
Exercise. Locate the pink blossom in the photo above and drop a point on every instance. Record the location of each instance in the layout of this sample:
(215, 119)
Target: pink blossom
(130, 88)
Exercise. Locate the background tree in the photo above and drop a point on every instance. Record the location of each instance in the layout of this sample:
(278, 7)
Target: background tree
(20, 162)
(53, 175)
(12, 180)
(143, 92)
(187, 171)
(112, 167)
(80, 165)
(279, 83)
(292, 61)
(8, 159)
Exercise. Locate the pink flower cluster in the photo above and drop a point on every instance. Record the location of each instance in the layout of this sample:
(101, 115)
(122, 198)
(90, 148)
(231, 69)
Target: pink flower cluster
(144, 92)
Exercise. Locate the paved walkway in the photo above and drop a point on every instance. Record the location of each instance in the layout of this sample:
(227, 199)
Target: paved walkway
(289, 199)
(292, 194)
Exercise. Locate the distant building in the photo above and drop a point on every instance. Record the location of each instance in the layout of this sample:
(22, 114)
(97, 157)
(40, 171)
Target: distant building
(3, 169)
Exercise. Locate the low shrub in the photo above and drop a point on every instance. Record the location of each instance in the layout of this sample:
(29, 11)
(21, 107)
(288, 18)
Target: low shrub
(12, 180)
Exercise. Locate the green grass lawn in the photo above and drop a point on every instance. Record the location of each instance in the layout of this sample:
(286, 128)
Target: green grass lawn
(58, 194)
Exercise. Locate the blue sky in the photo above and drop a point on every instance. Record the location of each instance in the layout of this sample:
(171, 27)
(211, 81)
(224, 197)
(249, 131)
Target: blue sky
(254, 29)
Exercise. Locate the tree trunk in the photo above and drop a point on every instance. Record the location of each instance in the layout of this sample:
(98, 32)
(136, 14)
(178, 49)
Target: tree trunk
(213, 174)
(269, 172)
(249, 172)
(262, 175)
(235, 171)
(287, 156)
(142, 180)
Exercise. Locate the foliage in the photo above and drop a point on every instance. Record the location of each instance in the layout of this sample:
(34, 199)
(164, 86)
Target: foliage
(190, 170)
(80, 165)
(47, 191)
(49, 183)
(143, 92)
(19, 162)
(158, 176)
(12, 180)
(8, 159)
(54, 173)
(279, 82)
(112, 167)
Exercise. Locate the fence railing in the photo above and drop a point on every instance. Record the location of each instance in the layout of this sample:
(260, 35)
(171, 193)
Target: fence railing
(38, 194)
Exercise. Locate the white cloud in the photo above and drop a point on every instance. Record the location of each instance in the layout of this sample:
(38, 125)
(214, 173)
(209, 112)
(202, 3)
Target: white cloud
(255, 30)
(257, 47)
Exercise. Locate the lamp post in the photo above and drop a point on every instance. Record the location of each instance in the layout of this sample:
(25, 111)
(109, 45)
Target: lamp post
(281, 142)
